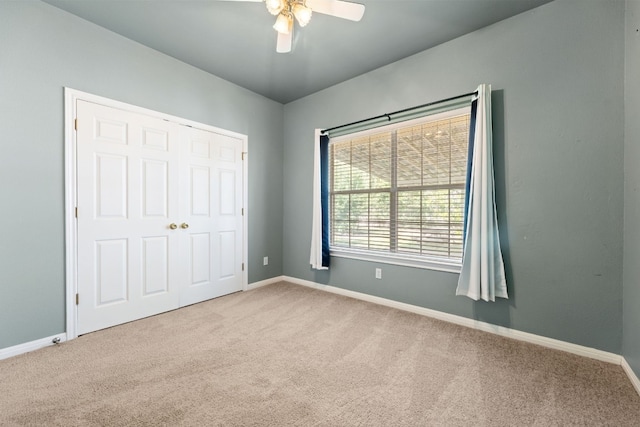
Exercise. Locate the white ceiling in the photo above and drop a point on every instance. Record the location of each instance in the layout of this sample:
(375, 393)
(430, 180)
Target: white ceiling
(234, 39)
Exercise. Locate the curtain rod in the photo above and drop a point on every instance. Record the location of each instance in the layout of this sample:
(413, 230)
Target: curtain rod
(388, 115)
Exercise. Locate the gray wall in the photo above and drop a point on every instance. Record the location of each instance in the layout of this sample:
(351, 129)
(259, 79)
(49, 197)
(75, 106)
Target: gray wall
(557, 76)
(43, 49)
(631, 291)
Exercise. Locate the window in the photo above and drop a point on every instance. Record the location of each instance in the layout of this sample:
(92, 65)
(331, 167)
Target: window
(397, 192)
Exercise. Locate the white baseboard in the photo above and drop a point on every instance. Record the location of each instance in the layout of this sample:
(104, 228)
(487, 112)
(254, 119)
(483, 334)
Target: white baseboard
(471, 323)
(632, 375)
(16, 350)
(265, 282)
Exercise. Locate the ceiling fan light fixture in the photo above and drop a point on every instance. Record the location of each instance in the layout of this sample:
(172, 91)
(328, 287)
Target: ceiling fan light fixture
(283, 24)
(302, 13)
(275, 6)
(289, 11)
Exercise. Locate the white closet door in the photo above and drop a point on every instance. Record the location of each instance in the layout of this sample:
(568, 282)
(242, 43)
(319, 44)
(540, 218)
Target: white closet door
(159, 222)
(211, 246)
(128, 256)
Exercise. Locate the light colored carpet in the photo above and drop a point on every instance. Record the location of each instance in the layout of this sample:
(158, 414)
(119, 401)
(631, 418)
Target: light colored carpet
(285, 355)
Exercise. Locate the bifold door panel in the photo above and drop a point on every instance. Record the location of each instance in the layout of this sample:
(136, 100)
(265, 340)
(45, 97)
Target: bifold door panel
(212, 188)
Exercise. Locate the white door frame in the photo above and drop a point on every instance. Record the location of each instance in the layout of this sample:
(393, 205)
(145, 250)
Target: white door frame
(71, 235)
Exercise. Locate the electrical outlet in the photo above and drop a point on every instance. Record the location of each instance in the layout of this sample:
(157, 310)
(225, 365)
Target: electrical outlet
(378, 273)
(265, 260)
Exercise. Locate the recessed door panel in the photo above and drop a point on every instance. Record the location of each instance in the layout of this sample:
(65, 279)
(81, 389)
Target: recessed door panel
(109, 130)
(228, 146)
(200, 190)
(155, 265)
(155, 188)
(200, 147)
(111, 261)
(200, 257)
(227, 192)
(227, 253)
(156, 139)
(111, 186)
(227, 154)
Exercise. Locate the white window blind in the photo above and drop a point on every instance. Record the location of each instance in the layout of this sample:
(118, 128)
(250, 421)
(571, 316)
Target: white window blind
(400, 189)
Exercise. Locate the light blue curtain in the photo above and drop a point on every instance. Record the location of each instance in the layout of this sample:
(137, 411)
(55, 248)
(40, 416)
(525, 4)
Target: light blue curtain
(482, 274)
(319, 257)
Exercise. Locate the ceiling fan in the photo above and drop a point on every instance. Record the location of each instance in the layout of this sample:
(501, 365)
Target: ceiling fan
(301, 10)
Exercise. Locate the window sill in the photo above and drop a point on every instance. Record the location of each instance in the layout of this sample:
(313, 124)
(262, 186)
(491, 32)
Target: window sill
(404, 260)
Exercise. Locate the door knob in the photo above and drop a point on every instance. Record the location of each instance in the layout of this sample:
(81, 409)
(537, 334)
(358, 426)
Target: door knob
(173, 226)
(184, 225)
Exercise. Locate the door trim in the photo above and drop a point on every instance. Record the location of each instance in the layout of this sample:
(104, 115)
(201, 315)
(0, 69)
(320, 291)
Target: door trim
(71, 96)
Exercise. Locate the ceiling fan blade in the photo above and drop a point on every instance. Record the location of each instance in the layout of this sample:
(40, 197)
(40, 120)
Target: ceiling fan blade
(338, 8)
(284, 42)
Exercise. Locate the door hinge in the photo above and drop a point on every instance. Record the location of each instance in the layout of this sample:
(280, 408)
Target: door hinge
(76, 212)
(75, 124)
(243, 153)
(242, 210)
(243, 266)
(77, 299)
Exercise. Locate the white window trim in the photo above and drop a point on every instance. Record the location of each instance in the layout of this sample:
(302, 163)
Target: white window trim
(401, 259)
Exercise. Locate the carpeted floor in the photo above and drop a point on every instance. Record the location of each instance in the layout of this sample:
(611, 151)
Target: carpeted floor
(285, 355)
